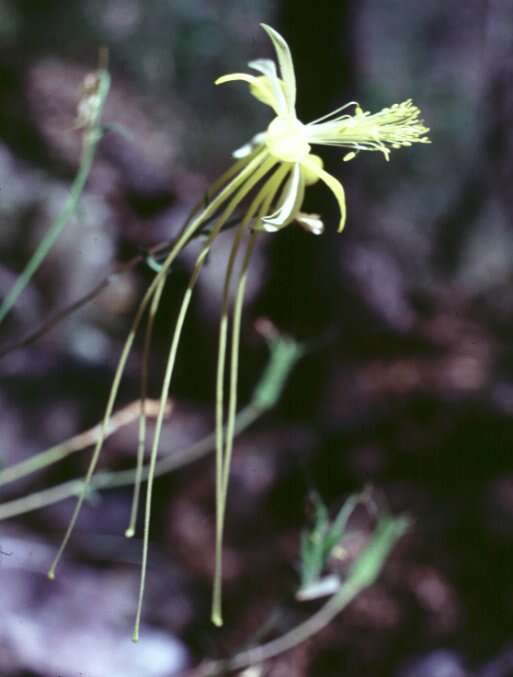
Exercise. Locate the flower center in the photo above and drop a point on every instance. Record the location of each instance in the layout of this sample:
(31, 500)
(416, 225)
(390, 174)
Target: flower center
(286, 139)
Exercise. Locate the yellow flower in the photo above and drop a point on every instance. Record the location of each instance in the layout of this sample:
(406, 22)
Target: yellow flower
(288, 141)
(271, 173)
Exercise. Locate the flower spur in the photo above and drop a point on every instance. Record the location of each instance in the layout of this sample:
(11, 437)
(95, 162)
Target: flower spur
(275, 168)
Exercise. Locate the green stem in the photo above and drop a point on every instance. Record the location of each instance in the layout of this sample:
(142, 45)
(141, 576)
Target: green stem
(280, 362)
(91, 138)
(76, 443)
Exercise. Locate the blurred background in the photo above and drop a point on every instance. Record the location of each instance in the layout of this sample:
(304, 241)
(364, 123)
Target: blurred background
(410, 390)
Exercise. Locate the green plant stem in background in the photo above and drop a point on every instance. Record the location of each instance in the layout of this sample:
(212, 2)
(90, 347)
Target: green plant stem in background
(121, 268)
(363, 573)
(76, 443)
(284, 354)
(92, 136)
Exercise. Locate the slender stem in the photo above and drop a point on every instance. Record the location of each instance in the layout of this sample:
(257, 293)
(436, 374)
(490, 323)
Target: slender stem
(76, 443)
(92, 136)
(60, 315)
(283, 356)
(122, 478)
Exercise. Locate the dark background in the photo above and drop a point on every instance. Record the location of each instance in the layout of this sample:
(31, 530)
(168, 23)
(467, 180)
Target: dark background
(412, 392)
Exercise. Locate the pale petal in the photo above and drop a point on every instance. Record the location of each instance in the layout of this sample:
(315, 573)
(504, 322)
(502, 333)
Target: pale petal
(333, 184)
(312, 223)
(251, 79)
(286, 67)
(319, 588)
(247, 148)
(268, 68)
(288, 203)
(270, 190)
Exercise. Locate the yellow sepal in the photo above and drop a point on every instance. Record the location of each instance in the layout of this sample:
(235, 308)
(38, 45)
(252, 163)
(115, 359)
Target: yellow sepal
(333, 184)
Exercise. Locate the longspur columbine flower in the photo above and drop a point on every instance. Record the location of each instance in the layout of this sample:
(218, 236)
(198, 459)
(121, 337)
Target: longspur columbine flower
(269, 177)
(288, 141)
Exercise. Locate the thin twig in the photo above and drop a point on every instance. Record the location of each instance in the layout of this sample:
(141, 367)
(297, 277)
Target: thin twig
(284, 354)
(154, 252)
(120, 478)
(78, 442)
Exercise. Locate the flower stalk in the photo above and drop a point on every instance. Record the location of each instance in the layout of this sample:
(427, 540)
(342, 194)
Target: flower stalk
(95, 90)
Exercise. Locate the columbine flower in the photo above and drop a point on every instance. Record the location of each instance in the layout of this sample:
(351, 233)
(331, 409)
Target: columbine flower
(288, 141)
(275, 168)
